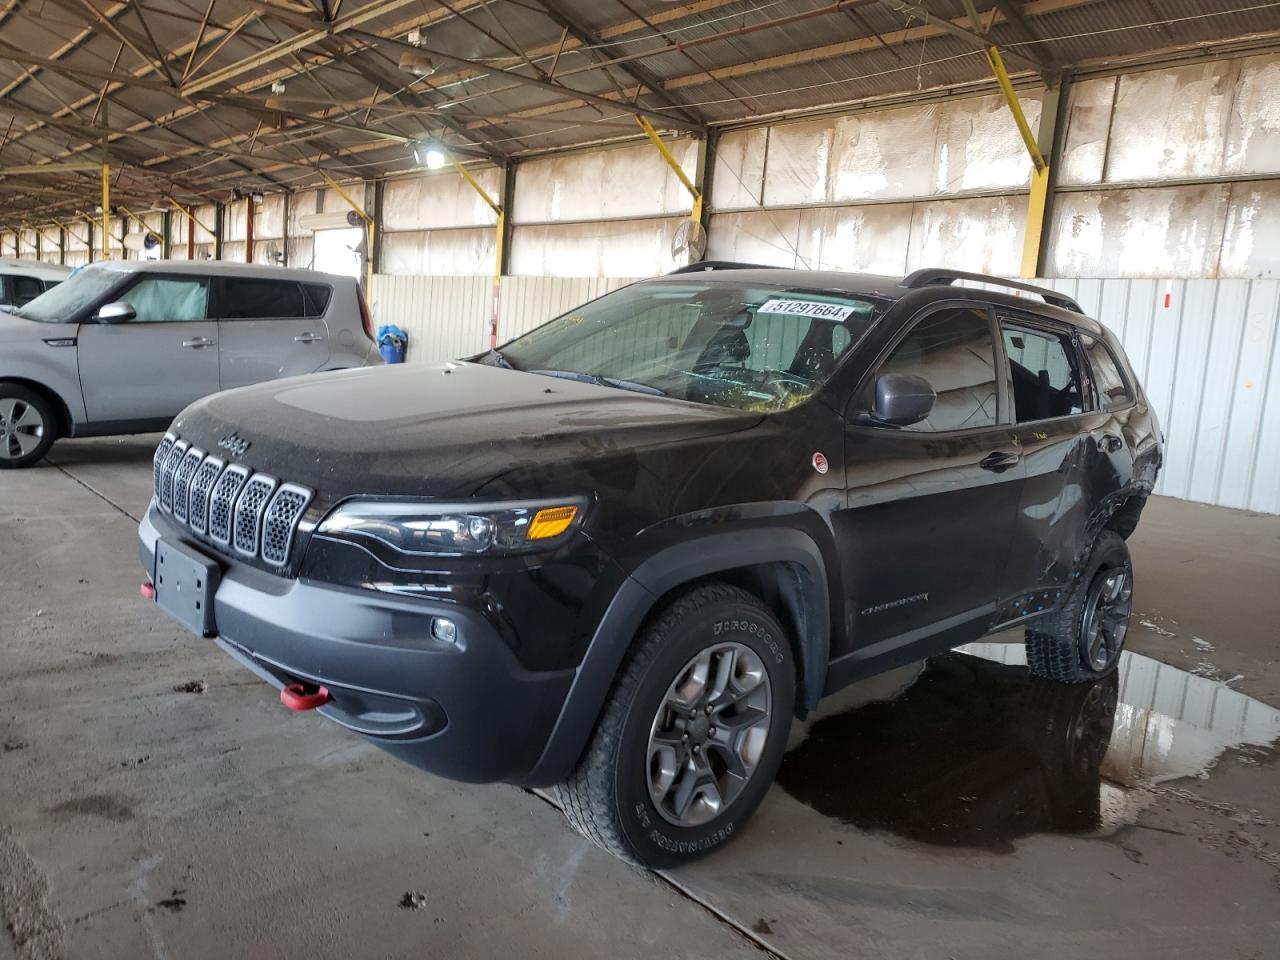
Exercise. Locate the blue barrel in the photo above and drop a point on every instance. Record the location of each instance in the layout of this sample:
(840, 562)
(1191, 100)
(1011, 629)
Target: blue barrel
(392, 343)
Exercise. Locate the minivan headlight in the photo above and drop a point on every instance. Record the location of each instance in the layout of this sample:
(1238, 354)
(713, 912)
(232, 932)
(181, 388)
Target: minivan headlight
(423, 528)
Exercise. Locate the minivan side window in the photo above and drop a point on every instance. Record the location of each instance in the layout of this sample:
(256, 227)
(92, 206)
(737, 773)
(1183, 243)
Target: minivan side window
(952, 349)
(1112, 390)
(168, 299)
(249, 298)
(1042, 369)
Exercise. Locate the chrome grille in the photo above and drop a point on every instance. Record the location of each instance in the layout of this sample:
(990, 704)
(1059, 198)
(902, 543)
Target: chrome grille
(182, 481)
(280, 520)
(249, 509)
(253, 513)
(171, 462)
(222, 502)
(201, 485)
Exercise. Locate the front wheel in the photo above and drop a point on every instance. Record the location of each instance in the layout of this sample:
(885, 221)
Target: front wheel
(1083, 640)
(27, 426)
(692, 733)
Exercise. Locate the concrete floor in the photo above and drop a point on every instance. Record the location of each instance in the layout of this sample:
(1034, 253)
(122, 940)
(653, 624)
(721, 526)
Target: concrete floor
(138, 819)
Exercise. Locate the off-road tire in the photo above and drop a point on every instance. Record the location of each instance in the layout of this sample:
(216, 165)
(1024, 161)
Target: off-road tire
(48, 414)
(1053, 641)
(607, 798)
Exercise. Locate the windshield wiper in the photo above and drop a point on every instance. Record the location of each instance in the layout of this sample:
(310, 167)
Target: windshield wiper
(602, 381)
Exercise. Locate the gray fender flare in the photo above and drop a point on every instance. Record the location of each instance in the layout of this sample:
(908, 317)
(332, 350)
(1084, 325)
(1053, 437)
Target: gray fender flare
(668, 568)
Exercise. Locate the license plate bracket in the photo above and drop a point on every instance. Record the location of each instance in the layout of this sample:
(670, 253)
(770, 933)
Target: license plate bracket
(185, 582)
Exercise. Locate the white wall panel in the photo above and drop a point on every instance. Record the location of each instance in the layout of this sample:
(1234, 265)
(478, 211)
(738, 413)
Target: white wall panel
(528, 302)
(1171, 123)
(445, 317)
(631, 181)
(604, 248)
(439, 252)
(442, 199)
(1210, 364)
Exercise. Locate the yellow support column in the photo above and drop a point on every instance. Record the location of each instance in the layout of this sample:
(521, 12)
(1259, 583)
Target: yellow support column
(674, 164)
(1040, 169)
(106, 212)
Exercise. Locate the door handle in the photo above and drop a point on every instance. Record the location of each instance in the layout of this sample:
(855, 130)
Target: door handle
(199, 342)
(307, 338)
(1110, 443)
(998, 461)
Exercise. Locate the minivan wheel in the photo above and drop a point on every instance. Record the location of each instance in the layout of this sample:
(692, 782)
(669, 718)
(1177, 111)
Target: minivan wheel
(28, 426)
(692, 733)
(1082, 641)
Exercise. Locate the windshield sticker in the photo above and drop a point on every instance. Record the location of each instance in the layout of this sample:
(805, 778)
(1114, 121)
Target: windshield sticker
(806, 308)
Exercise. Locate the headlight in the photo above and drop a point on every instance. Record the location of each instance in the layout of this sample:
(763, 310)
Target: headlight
(422, 528)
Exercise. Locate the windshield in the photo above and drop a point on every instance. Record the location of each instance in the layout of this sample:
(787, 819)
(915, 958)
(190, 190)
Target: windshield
(69, 297)
(762, 348)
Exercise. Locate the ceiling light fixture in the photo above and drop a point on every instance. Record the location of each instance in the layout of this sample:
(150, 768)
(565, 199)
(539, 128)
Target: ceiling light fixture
(429, 154)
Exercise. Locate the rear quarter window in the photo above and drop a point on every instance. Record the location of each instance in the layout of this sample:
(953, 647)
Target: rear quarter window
(1108, 380)
(316, 296)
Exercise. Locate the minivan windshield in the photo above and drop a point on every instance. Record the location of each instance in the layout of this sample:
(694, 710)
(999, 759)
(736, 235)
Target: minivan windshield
(752, 347)
(67, 299)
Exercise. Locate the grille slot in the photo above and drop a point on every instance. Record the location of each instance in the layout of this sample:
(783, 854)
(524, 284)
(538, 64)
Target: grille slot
(201, 486)
(250, 506)
(222, 502)
(280, 521)
(182, 481)
(158, 461)
(176, 453)
(253, 514)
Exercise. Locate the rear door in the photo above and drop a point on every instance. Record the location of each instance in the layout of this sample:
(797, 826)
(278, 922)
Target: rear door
(269, 328)
(150, 367)
(1062, 435)
(925, 538)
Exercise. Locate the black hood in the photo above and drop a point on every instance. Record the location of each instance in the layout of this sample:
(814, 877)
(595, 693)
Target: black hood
(436, 431)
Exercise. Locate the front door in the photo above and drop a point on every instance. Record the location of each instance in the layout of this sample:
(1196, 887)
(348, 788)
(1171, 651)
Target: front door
(268, 329)
(150, 367)
(931, 506)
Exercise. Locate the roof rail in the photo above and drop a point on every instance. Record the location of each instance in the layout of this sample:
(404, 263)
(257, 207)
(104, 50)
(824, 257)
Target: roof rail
(704, 265)
(936, 276)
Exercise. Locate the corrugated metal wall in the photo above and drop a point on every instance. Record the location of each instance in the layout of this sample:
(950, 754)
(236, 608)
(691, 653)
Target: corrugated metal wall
(1208, 359)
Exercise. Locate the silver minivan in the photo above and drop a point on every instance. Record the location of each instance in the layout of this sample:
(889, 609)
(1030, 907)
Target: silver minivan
(124, 346)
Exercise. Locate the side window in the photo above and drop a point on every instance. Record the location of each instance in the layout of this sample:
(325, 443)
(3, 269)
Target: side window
(1042, 369)
(25, 289)
(168, 299)
(953, 350)
(251, 299)
(317, 298)
(1112, 390)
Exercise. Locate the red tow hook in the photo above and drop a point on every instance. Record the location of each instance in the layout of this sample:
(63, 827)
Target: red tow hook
(300, 696)
(148, 590)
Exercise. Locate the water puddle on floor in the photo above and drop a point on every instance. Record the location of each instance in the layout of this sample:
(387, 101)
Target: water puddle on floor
(971, 752)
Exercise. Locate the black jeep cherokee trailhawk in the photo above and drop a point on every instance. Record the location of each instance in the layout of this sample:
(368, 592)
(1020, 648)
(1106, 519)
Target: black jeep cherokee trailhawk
(619, 554)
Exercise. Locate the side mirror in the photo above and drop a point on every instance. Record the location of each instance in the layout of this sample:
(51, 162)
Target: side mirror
(118, 312)
(901, 399)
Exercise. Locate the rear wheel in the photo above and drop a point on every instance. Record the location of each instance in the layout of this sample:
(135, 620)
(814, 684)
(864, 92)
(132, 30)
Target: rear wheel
(1083, 640)
(692, 733)
(28, 426)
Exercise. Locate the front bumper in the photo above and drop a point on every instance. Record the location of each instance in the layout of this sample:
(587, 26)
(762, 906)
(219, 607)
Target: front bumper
(466, 710)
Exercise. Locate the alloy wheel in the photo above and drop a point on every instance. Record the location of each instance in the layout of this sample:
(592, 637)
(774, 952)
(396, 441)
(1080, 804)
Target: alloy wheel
(1106, 616)
(21, 428)
(709, 733)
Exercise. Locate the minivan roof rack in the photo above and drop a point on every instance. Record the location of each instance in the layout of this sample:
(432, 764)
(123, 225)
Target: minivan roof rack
(704, 265)
(936, 276)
